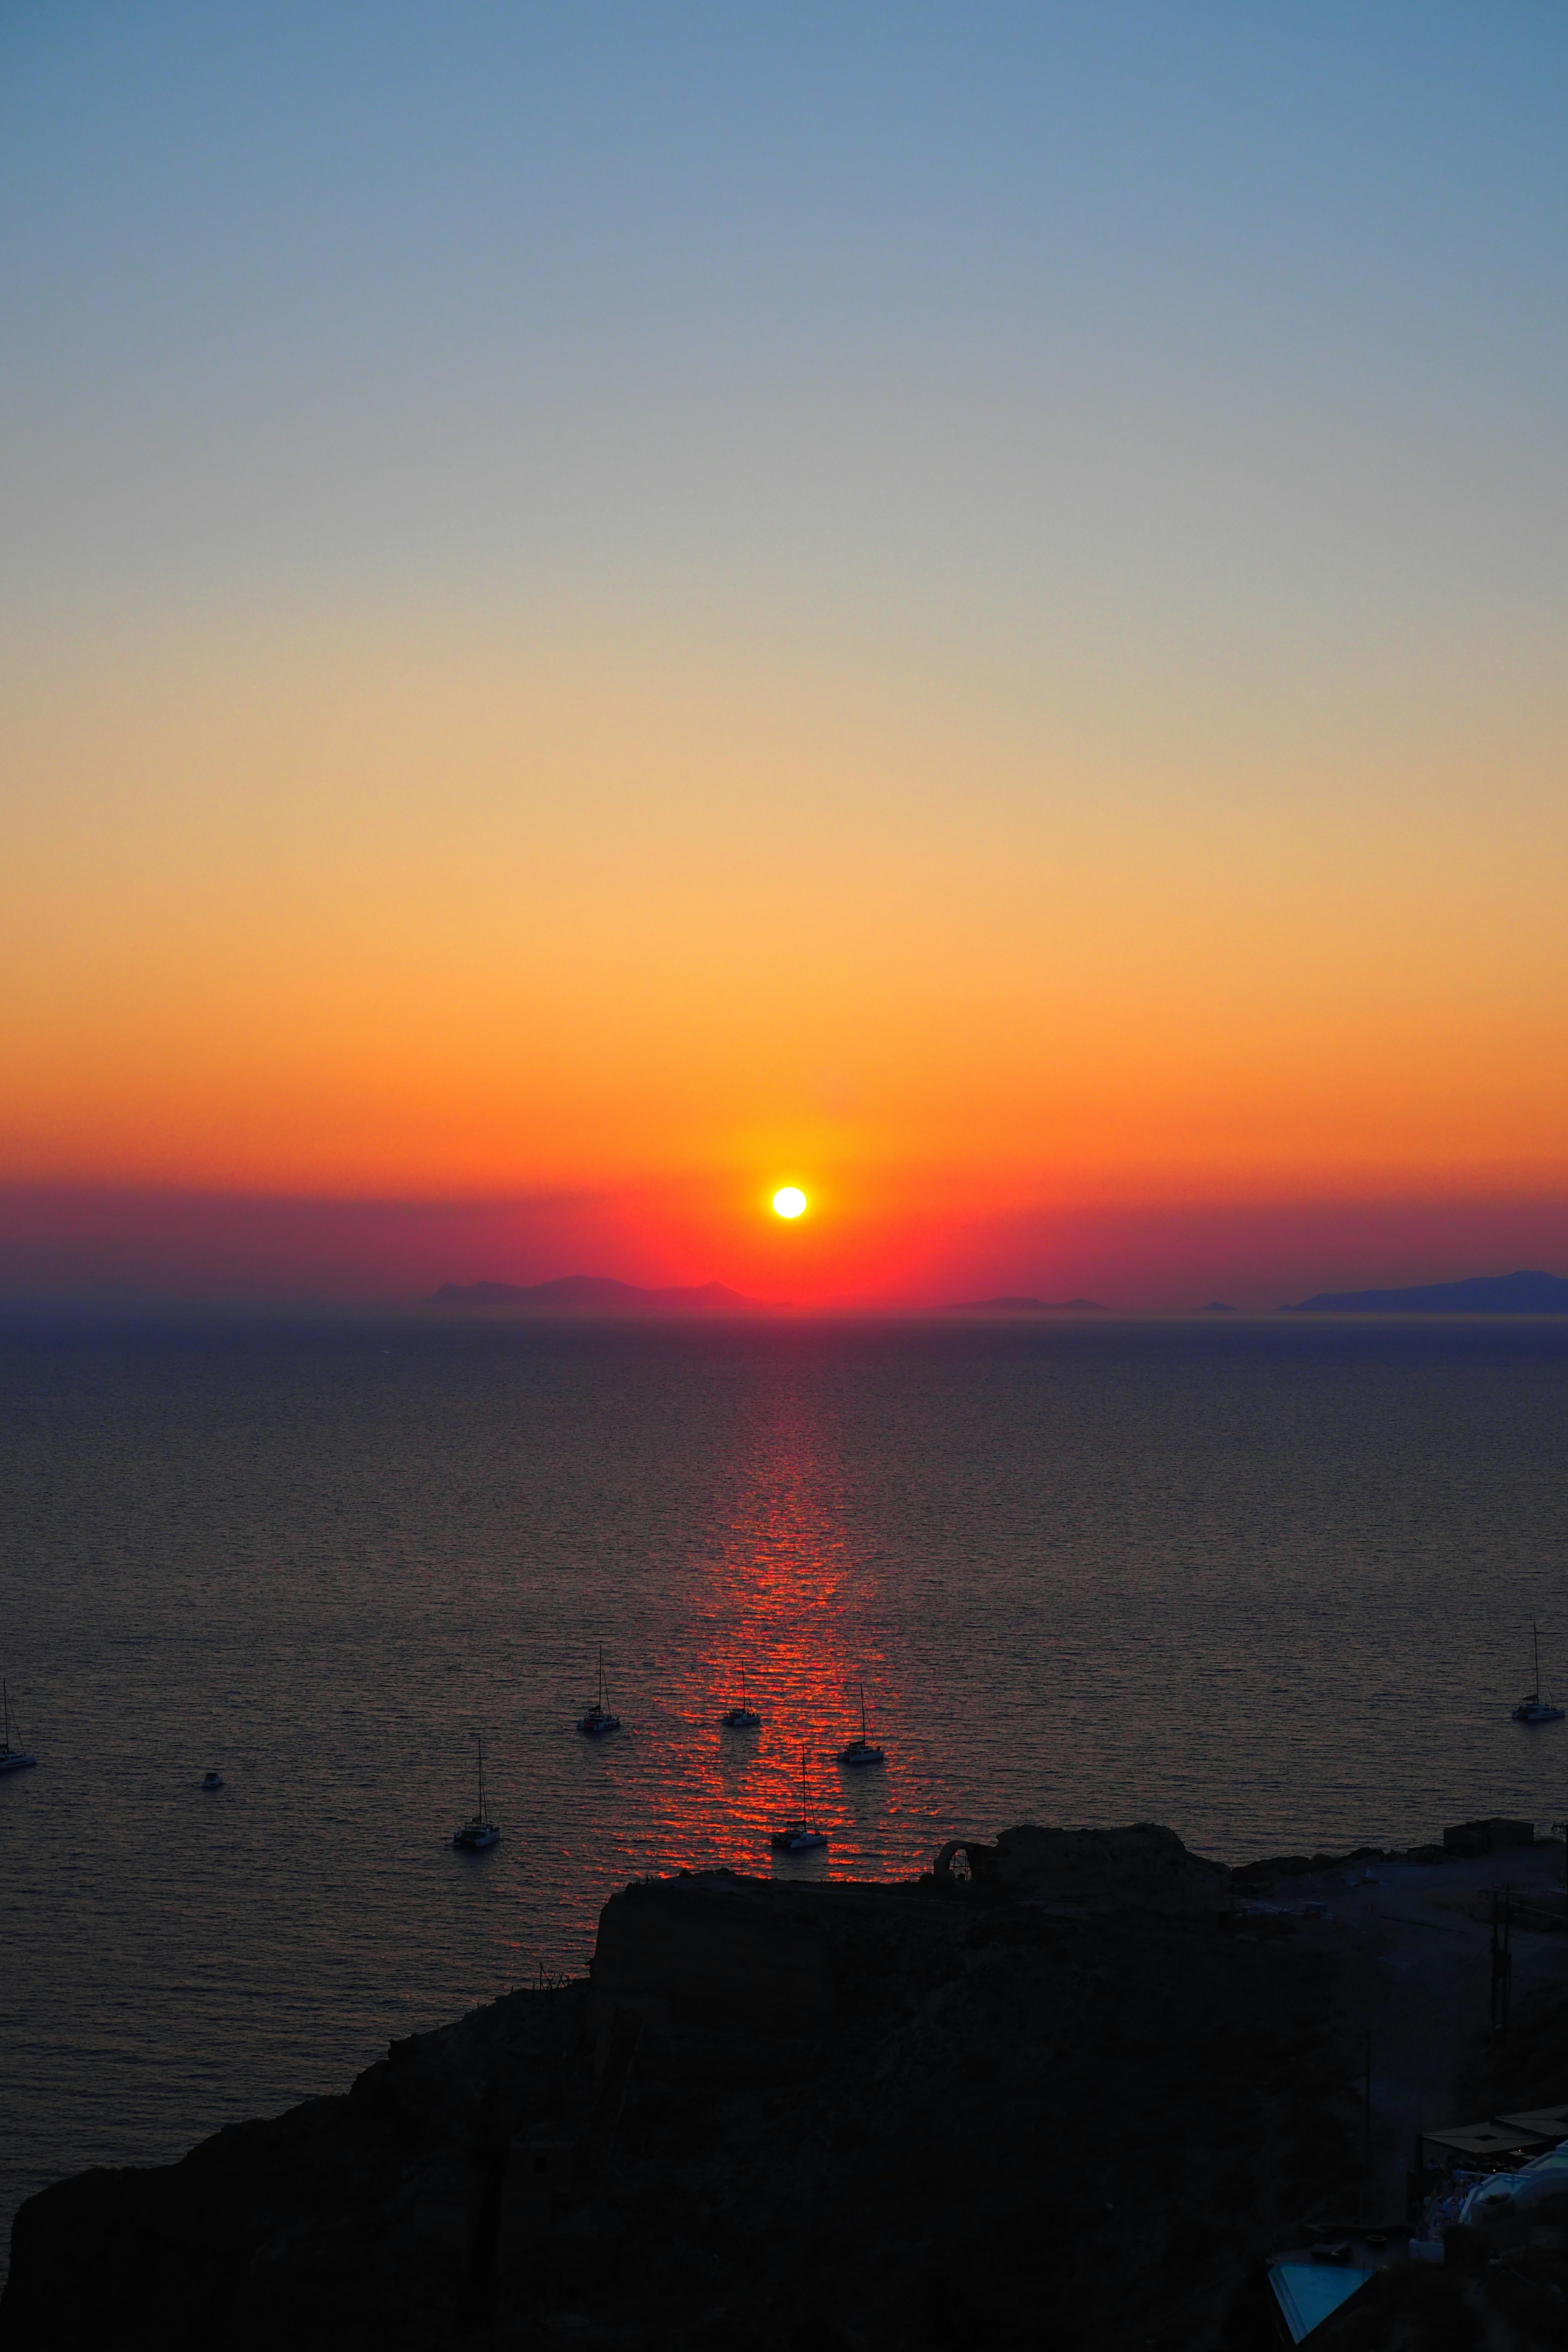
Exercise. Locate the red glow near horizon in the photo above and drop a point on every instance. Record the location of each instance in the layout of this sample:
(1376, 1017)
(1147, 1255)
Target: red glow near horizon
(87, 1244)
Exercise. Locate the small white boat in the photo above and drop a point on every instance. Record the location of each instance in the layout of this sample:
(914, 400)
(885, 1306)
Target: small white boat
(862, 1750)
(479, 1831)
(599, 1721)
(801, 1836)
(1532, 1707)
(743, 1717)
(211, 1780)
(11, 1759)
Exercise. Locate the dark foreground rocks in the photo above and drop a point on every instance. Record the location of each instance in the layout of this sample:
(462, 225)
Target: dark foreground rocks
(1067, 2099)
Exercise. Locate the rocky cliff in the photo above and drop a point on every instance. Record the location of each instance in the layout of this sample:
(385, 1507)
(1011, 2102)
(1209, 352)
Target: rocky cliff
(1055, 2091)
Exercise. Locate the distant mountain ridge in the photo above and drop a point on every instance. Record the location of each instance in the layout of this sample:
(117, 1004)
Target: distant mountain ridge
(1024, 1306)
(601, 1294)
(1484, 1294)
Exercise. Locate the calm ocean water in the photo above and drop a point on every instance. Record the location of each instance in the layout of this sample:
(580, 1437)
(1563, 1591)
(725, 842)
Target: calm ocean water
(1271, 1584)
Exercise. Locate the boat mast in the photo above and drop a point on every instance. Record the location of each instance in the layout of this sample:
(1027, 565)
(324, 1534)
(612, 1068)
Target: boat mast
(1535, 1639)
(480, 1737)
(862, 1715)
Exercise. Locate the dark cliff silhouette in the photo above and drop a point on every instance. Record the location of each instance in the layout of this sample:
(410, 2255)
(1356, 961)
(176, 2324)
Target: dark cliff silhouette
(600, 1294)
(1484, 1294)
(781, 2116)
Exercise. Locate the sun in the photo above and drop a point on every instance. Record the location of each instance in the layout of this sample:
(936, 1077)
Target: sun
(789, 1201)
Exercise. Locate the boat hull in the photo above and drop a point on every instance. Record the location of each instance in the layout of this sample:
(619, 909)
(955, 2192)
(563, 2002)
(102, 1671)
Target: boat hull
(16, 1759)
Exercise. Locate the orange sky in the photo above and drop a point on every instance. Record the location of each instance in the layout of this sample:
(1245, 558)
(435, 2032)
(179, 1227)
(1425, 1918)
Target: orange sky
(464, 912)
(1002, 662)
(461, 913)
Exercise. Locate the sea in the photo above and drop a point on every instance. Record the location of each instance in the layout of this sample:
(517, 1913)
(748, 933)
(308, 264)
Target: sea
(1270, 1581)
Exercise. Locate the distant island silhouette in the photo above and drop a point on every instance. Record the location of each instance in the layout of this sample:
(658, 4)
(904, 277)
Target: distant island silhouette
(1024, 1306)
(600, 1294)
(1483, 1294)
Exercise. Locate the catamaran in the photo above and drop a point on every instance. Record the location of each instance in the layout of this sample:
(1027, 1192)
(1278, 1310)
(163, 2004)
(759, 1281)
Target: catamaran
(11, 1759)
(800, 1836)
(861, 1750)
(743, 1717)
(599, 1721)
(479, 1831)
(1532, 1707)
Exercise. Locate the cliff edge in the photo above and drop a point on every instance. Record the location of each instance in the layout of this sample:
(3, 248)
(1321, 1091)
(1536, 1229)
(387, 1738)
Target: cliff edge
(1054, 2090)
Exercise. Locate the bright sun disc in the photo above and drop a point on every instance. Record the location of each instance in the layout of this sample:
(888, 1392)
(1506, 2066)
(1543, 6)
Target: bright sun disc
(789, 1202)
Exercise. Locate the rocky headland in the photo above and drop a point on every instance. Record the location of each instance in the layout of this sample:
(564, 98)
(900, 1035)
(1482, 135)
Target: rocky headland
(1529, 1292)
(1070, 2089)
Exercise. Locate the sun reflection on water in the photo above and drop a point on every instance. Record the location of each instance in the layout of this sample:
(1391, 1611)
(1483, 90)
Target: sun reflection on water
(775, 1603)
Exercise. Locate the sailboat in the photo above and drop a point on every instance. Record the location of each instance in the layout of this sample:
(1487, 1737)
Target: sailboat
(800, 1836)
(1532, 1707)
(861, 1750)
(743, 1717)
(11, 1759)
(599, 1721)
(479, 1831)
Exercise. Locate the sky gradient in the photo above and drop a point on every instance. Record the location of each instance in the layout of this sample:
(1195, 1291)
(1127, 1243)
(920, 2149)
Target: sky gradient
(622, 606)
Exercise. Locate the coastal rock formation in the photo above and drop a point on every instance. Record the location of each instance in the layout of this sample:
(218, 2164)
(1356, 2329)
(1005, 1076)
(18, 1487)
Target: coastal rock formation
(1525, 1293)
(712, 1972)
(1067, 2099)
(1093, 1870)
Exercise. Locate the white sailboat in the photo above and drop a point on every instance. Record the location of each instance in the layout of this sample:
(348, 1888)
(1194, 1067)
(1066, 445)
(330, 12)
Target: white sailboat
(743, 1717)
(479, 1831)
(11, 1759)
(862, 1750)
(802, 1835)
(599, 1720)
(1532, 1707)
